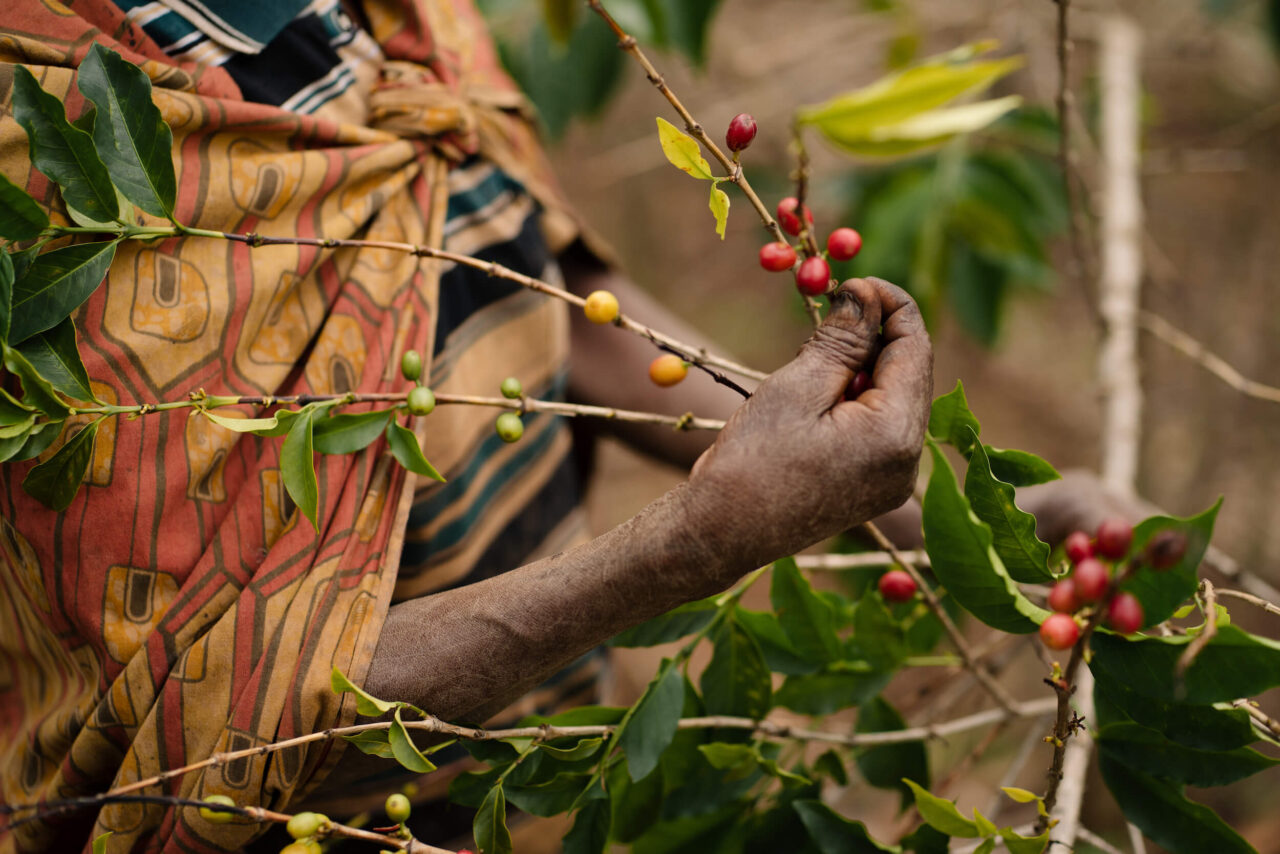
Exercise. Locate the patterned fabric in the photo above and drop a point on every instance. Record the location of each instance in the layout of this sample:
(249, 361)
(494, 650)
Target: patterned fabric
(179, 608)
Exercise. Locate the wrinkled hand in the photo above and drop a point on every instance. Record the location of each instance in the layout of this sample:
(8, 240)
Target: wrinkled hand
(797, 462)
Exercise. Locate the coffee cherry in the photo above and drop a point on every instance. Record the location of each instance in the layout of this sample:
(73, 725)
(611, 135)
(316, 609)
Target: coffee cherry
(844, 243)
(1166, 550)
(509, 426)
(1091, 580)
(601, 307)
(397, 808)
(1059, 631)
(511, 388)
(787, 217)
(1062, 597)
(1124, 613)
(306, 824)
(411, 365)
(667, 370)
(813, 277)
(776, 257)
(897, 586)
(1077, 546)
(421, 401)
(217, 816)
(861, 382)
(304, 846)
(742, 129)
(1114, 536)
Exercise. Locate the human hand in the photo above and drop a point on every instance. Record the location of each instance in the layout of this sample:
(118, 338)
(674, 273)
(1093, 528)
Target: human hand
(797, 462)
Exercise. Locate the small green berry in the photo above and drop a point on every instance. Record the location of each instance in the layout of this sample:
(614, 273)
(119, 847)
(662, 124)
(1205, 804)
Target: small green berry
(510, 427)
(305, 846)
(411, 364)
(421, 401)
(306, 824)
(397, 808)
(217, 816)
(511, 388)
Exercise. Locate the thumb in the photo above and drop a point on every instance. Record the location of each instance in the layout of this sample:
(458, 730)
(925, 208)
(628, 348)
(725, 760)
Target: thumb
(844, 343)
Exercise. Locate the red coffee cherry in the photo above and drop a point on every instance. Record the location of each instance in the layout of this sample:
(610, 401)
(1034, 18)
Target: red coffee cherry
(742, 129)
(1091, 580)
(1077, 546)
(1059, 631)
(1124, 613)
(1166, 550)
(813, 277)
(897, 586)
(861, 382)
(844, 243)
(1114, 537)
(787, 217)
(776, 257)
(1062, 597)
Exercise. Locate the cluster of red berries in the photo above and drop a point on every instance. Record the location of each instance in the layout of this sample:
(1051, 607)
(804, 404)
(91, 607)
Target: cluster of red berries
(813, 276)
(1091, 582)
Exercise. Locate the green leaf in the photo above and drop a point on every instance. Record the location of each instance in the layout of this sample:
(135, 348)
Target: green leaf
(805, 617)
(827, 692)
(962, 557)
(779, 655)
(36, 390)
(1234, 664)
(404, 750)
(1204, 727)
(56, 356)
(260, 426)
(560, 16)
(736, 682)
(373, 742)
(1163, 813)
(687, 24)
(927, 840)
(100, 842)
(830, 765)
(884, 766)
(985, 825)
(1024, 844)
(654, 721)
(740, 760)
(1162, 592)
(56, 481)
(13, 412)
(673, 625)
(20, 217)
(1019, 468)
(636, 806)
(7, 277)
(19, 429)
(55, 285)
(62, 152)
(490, 824)
(590, 832)
(1013, 531)
(581, 716)
(835, 834)
(942, 814)
(682, 150)
(951, 422)
(40, 438)
(128, 131)
(548, 799)
(297, 466)
(366, 704)
(719, 208)
(583, 749)
(920, 132)
(1139, 747)
(405, 448)
(349, 432)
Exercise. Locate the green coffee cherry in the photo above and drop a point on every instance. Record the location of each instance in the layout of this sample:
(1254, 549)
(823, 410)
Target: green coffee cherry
(421, 401)
(397, 808)
(511, 388)
(509, 426)
(411, 364)
(305, 846)
(217, 816)
(306, 824)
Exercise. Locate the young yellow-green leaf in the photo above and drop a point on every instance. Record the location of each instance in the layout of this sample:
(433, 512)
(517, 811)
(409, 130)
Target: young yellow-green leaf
(719, 208)
(56, 481)
(242, 425)
(490, 824)
(20, 217)
(405, 448)
(62, 152)
(297, 466)
(36, 390)
(18, 428)
(373, 742)
(1022, 796)
(653, 723)
(683, 152)
(1024, 844)
(350, 431)
(55, 355)
(100, 843)
(128, 131)
(922, 131)
(942, 814)
(55, 285)
(366, 704)
(405, 751)
(985, 826)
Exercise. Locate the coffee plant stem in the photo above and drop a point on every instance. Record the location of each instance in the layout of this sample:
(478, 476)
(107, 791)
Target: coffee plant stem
(1207, 598)
(1251, 599)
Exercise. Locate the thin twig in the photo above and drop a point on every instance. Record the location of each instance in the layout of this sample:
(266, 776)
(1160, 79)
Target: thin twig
(1205, 358)
(1252, 600)
(862, 560)
(1270, 724)
(1097, 841)
(1209, 607)
(1026, 749)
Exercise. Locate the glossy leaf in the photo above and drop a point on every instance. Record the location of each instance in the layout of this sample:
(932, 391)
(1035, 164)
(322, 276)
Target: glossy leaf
(736, 681)
(653, 723)
(55, 354)
(590, 832)
(490, 824)
(297, 466)
(673, 625)
(20, 217)
(835, 834)
(719, 209)
(951, 421)
(1024, 844)
(404, 447)
(941, 814)
(36, 390)
(1205, 727)
(349, 432)
(6, 292)
(884, 766)
(18, 430)
(1163, 813)
(128, 131)
(366, 704)
(100, 842)
(919, 132)
(12, 411)
(56, 481)
(404, 750)
(962, 557)
(62, 152)
(1013, 531)
(55, 285)
(373, 742)
(1162, 592)
(1019, 468)
(1234, 664)
(1139, 747)
(682, 150)
(37, 441)
(260, 426)
(806, 618)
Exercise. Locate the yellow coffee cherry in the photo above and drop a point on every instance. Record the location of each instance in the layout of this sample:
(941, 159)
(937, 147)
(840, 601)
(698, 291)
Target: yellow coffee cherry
(668, 369)
(305, 846)
(217, 816)
(397, 808)
(306, 824)
(601, 307)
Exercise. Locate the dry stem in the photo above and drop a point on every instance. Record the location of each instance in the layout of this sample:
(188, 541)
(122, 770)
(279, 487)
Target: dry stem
(1209, 606)
(1251, 599)
(1205, 358)
(862, 560)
